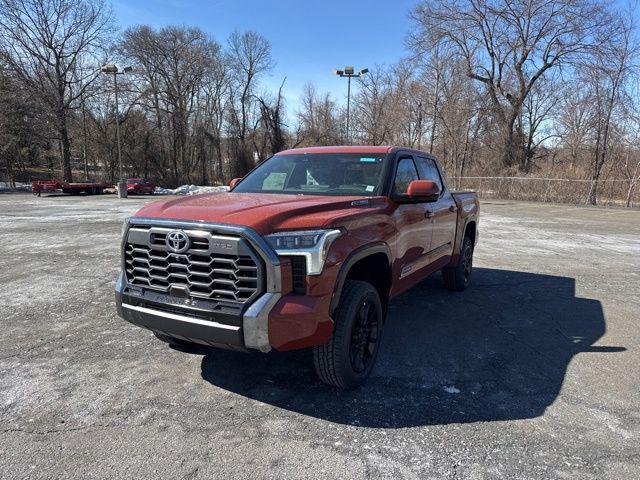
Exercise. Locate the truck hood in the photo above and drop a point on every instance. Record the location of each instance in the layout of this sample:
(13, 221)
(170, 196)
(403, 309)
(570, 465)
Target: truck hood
(262, 212)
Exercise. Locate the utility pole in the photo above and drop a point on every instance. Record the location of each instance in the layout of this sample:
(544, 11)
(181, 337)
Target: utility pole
(120, 177)
(84, 138)
(349, 72)
(122, 184)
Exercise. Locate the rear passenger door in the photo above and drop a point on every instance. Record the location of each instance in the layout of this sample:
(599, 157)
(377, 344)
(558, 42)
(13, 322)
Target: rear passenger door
(443, 212)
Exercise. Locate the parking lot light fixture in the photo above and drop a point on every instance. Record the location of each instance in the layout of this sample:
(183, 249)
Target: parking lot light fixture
(112, 69)
(349, 72)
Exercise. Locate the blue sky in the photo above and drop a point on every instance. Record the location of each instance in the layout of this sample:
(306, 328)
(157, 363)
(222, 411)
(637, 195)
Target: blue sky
(308, 38)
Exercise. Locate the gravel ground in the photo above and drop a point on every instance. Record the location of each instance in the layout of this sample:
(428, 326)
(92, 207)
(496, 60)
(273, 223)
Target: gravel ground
(533, 372)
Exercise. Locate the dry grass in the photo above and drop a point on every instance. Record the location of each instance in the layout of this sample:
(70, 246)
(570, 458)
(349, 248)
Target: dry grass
(610, 192)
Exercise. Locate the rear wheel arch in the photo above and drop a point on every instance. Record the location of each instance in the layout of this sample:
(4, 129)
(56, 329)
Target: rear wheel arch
(369, 263)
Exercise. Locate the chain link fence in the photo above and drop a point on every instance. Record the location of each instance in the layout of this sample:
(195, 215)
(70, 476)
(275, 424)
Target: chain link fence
(558, 190)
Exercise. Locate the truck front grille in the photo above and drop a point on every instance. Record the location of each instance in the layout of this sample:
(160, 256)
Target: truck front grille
(212, 267)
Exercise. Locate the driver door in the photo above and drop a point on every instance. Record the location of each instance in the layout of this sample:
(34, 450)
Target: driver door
(444, 211)
(413, 227)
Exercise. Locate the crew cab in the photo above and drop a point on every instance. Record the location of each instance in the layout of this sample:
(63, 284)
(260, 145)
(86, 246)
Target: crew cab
(305, 251)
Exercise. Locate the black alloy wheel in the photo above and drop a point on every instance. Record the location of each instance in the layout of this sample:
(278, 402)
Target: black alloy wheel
(347, 360)
(364, 337)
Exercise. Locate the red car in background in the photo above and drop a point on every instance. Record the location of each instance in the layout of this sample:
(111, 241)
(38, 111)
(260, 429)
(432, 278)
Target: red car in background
(139, 186)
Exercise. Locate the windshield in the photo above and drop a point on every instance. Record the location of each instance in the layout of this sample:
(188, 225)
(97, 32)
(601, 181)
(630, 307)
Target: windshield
(357, 174)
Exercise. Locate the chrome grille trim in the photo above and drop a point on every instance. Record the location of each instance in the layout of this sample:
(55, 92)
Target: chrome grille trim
(272, 262)
(215, 266)
(180, 318)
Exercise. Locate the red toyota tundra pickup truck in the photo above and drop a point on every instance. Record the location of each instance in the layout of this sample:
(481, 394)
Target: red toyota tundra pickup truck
(305, 251)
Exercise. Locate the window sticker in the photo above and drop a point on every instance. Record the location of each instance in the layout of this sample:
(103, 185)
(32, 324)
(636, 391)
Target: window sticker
(275, 181)
(367, 160)
(370, 188)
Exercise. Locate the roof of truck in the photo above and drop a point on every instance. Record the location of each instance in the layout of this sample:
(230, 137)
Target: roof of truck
(339, 149)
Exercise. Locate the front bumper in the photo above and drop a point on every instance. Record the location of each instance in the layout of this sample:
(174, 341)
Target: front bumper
(196, 322)
(275, 319)
(203, 321)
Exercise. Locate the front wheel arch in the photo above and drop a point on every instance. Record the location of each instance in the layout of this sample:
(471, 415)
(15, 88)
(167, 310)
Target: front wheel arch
(359, 265)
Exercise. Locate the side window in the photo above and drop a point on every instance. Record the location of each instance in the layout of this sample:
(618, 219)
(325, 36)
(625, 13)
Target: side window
(405, 174)
(429, 170)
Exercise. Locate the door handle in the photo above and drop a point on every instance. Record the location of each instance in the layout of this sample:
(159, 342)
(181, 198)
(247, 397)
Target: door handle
(428, 214)
(453, 208)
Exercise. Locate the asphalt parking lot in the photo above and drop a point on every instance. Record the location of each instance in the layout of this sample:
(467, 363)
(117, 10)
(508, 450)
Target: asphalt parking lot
(533, 372)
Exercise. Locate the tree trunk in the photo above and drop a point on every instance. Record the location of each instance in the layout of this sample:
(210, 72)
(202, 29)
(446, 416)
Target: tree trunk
(221, 173)
(513, 147)
(632, 186)
(65, 146)
(592, 199)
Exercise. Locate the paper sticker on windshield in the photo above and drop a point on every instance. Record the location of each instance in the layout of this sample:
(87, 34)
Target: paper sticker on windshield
(275, 181)
(367, 159)
(370, 188)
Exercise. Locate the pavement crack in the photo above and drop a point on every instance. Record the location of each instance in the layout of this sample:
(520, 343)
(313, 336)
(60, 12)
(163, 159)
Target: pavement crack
(55, 430)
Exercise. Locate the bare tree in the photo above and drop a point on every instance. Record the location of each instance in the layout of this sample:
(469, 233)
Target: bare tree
(608, 73)
(455, 115)
(573, 121)
(319, 121)
(45, 43)
(175, 63)
(249, 55)
(371, 107)
(508, 45)
(212, 102)
(272, 118)
(631, 170)
(21, 127)
(411, 106)
(537, 110)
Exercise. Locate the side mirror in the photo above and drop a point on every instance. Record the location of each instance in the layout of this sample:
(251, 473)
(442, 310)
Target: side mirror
(233, 183)
(422, 191)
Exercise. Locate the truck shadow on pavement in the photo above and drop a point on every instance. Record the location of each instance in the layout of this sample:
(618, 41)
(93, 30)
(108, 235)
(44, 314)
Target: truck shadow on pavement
(498, 351)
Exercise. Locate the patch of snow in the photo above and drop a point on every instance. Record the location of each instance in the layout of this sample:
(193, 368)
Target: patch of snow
(542, 237)
(451, 389)
(190, 190)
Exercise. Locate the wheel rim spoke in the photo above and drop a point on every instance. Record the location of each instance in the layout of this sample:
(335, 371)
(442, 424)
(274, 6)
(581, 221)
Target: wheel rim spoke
(364, 337)
(467, 263)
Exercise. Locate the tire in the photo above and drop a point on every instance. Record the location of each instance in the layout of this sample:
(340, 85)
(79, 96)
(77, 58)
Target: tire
(347, 360)
(174, 341)
(457, 278)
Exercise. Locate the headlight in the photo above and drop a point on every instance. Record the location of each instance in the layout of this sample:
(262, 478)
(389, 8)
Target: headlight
(312, 244)
(125, 225)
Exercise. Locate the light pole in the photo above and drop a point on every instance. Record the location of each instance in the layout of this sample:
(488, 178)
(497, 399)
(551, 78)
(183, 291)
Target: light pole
(349, 73)
(108, 69)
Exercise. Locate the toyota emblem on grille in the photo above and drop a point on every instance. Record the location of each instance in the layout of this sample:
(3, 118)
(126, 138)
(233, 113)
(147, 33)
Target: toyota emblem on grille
(177, 241)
